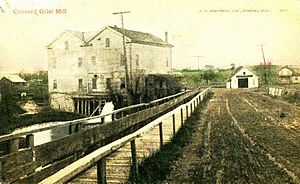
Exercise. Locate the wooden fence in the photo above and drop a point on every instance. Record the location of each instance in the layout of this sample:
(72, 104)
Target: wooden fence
(59, 160)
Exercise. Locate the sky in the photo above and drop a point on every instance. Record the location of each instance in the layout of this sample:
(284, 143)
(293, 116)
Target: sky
(221, 31)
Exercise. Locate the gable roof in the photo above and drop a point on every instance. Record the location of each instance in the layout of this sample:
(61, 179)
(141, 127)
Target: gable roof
(239, 69)
(141, 37)
(235, 71)
(295, 70)
(82, 36)
(13, 78)
(135, 37)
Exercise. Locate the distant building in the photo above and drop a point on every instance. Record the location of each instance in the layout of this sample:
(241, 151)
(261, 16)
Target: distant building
(209, 67)
(242, 78)
(84, 66)
(13, 82)
(289, 75)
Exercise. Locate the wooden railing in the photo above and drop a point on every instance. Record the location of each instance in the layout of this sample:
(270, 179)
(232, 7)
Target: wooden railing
(33, 164)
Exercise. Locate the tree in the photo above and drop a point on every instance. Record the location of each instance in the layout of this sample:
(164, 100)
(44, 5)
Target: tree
(209, 75)
(8, 104)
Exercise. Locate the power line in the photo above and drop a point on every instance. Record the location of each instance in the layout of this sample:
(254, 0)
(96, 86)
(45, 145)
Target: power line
(124, 48)
(265, 69)
(198, 60)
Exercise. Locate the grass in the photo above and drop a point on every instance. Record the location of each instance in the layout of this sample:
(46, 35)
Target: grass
(157, 167)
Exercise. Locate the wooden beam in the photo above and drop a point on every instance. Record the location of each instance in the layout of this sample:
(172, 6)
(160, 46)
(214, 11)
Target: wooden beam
(14, 145)
(161, 136)
(174, 124)
(101, 171)
(30, 141)
(135, 166)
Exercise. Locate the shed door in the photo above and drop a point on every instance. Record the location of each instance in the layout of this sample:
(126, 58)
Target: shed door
(243, 83)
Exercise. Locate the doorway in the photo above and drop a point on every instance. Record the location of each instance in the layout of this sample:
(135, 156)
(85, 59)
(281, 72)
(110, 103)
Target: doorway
(243, 83)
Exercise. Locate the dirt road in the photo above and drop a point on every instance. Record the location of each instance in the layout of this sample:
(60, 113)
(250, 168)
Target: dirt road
(243, 137)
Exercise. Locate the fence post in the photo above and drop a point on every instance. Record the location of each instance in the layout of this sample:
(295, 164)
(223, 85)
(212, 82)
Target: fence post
(134, 159)
(70, 128)
(76, 128)
(14, 145)
(161, 139)
(30, 141)
(181, 115)
(174, 128)
(187, 111)
(101, 171)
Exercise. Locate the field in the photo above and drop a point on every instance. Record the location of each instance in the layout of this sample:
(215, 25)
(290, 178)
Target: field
(242, 137)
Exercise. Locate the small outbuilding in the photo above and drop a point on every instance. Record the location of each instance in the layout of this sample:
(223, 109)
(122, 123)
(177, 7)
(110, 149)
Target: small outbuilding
(12, 81)
(242, 78)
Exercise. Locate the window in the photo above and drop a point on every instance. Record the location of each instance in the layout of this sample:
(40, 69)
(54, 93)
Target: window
(244, 73)
(296, 78)
(122, 86)
(54, 84)
(137, 61)
(80, 62)
(54, 63)
(80, 83)
(93, 59)
(122, 60)
(108, 83)
(167, 62)
(94, 83)
(107, 42)
(66, 45)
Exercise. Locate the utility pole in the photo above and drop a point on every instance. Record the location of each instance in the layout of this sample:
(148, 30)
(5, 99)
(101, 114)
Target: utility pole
(265, 69)
(127, 82)
(198, 60)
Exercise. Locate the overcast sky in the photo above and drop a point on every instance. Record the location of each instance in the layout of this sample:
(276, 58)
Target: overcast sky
(194, 29)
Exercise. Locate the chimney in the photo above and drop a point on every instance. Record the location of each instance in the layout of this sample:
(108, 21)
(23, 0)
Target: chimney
(166, 37)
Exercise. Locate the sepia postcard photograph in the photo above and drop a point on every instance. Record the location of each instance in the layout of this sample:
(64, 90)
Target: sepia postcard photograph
(150, 91)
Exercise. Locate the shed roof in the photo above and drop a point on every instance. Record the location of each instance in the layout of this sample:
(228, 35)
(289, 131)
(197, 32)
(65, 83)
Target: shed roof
(13, 78)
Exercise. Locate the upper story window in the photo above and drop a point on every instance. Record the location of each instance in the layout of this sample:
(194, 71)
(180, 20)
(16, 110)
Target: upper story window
(108, 83)
(244, 73)
(66, 45)
(94, 83)
(54, 63)
(137, 61)
(80, 83)
(107, 42)
(167, 62)
(93, 59)
(79, 62)
(122, 62)
(54, 84)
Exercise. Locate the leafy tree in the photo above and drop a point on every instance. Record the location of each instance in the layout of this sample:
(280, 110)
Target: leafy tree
(8, 104)
(209, 75)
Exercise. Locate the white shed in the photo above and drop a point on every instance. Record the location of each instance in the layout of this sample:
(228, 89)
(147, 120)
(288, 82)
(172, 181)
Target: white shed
(242, 78)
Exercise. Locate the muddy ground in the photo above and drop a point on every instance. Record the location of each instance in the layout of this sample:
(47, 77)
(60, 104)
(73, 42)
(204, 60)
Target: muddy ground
(243, 137)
